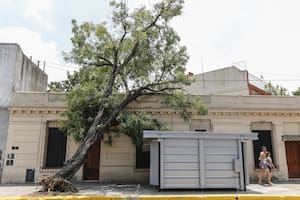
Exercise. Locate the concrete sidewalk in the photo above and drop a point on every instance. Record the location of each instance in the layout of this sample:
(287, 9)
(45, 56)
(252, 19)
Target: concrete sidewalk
(101, 189)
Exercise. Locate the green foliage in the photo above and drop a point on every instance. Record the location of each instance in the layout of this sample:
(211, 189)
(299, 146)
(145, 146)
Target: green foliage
(65, 85)
(185, 104)
(132, 55)
(84, 97)
(296, 92)
(276, 90)
(133, 125)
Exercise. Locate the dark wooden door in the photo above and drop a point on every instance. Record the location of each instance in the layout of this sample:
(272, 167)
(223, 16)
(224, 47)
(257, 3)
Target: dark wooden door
(293, 158)
(92, 163)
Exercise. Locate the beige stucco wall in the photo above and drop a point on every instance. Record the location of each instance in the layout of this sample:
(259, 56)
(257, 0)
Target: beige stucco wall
(117, 162)
(237, 113)
(228, 114)
(280, 127)
(17, 73)
(229, 81)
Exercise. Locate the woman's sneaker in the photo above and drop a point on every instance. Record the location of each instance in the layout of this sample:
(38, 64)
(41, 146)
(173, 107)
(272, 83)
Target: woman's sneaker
(270, 183)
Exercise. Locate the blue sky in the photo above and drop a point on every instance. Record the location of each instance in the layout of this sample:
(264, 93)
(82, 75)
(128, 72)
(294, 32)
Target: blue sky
(263, 34)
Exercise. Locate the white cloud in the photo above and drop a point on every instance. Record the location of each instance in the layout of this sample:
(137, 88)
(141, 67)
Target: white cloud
(34, 45)
(272, 44)
(264, 33)
(31, 42)
(38, 10)
(7, 1)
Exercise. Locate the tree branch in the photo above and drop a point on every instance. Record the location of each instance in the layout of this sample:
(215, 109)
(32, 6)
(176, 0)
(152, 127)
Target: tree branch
(106, 60)
(109, 87)
(130, 56)
(163, 72)
(163, 89)
(153, 23)
(122, 76)
(119, 108)
(117, 69)
(124, 34)
(136, 45)
(97, 64)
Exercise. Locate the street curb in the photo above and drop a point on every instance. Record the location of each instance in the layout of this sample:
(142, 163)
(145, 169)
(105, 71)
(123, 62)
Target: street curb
(163, 197)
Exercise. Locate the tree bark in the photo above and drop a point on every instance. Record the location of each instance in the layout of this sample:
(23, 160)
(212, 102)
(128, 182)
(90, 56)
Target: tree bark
(94, 134)
(76, 161)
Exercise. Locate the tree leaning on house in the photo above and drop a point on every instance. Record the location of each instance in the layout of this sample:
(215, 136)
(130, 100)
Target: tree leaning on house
(136, 54)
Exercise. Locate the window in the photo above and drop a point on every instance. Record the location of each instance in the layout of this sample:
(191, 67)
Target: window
(142, 158)
(56, 148)
(264, 139)
(201, 125)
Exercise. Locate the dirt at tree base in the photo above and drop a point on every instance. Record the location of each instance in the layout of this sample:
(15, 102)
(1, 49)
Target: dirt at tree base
(54, 184)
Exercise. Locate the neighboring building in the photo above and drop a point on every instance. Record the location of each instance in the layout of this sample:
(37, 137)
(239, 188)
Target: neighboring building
(32, 147)
(17, 73)
(226, 81)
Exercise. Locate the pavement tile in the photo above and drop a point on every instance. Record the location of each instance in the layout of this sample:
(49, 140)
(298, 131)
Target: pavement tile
(132, 191)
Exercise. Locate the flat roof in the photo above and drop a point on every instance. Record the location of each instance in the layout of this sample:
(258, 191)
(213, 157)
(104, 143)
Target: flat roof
(198, 135)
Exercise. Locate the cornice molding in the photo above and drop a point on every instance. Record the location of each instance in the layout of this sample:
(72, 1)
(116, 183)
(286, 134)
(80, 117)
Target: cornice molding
(36, 111)
(55, 110)
(255, 113)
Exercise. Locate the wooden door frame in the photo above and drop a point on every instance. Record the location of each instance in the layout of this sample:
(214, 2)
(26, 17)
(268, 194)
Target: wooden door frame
(83, 167)
(285, 145)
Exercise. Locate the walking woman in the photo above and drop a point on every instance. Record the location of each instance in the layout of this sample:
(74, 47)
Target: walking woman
(270, 165)
(263, 166)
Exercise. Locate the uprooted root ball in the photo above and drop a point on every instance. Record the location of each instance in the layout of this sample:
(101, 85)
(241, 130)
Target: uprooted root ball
(54, 184)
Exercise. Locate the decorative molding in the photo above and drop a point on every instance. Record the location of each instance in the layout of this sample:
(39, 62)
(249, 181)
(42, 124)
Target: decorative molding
(56, 111)
(262, 126)
(34, 111)
(255, 113)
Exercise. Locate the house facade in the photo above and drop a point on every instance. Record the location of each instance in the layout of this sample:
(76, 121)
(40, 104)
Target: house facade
(17, 73)
(33, 132)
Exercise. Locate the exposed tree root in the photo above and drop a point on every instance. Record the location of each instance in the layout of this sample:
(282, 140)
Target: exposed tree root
(52, 184)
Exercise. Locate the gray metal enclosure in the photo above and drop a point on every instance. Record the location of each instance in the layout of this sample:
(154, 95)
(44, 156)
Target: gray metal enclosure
(197, 160)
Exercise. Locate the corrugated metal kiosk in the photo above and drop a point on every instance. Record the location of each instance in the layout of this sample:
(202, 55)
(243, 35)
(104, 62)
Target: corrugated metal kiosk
(198, 160)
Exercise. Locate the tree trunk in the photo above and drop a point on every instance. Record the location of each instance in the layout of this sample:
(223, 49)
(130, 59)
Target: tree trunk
(73, 164)
(93, 135)
(59, 182)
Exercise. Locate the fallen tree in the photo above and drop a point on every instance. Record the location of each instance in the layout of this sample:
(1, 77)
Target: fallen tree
(138, 55)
